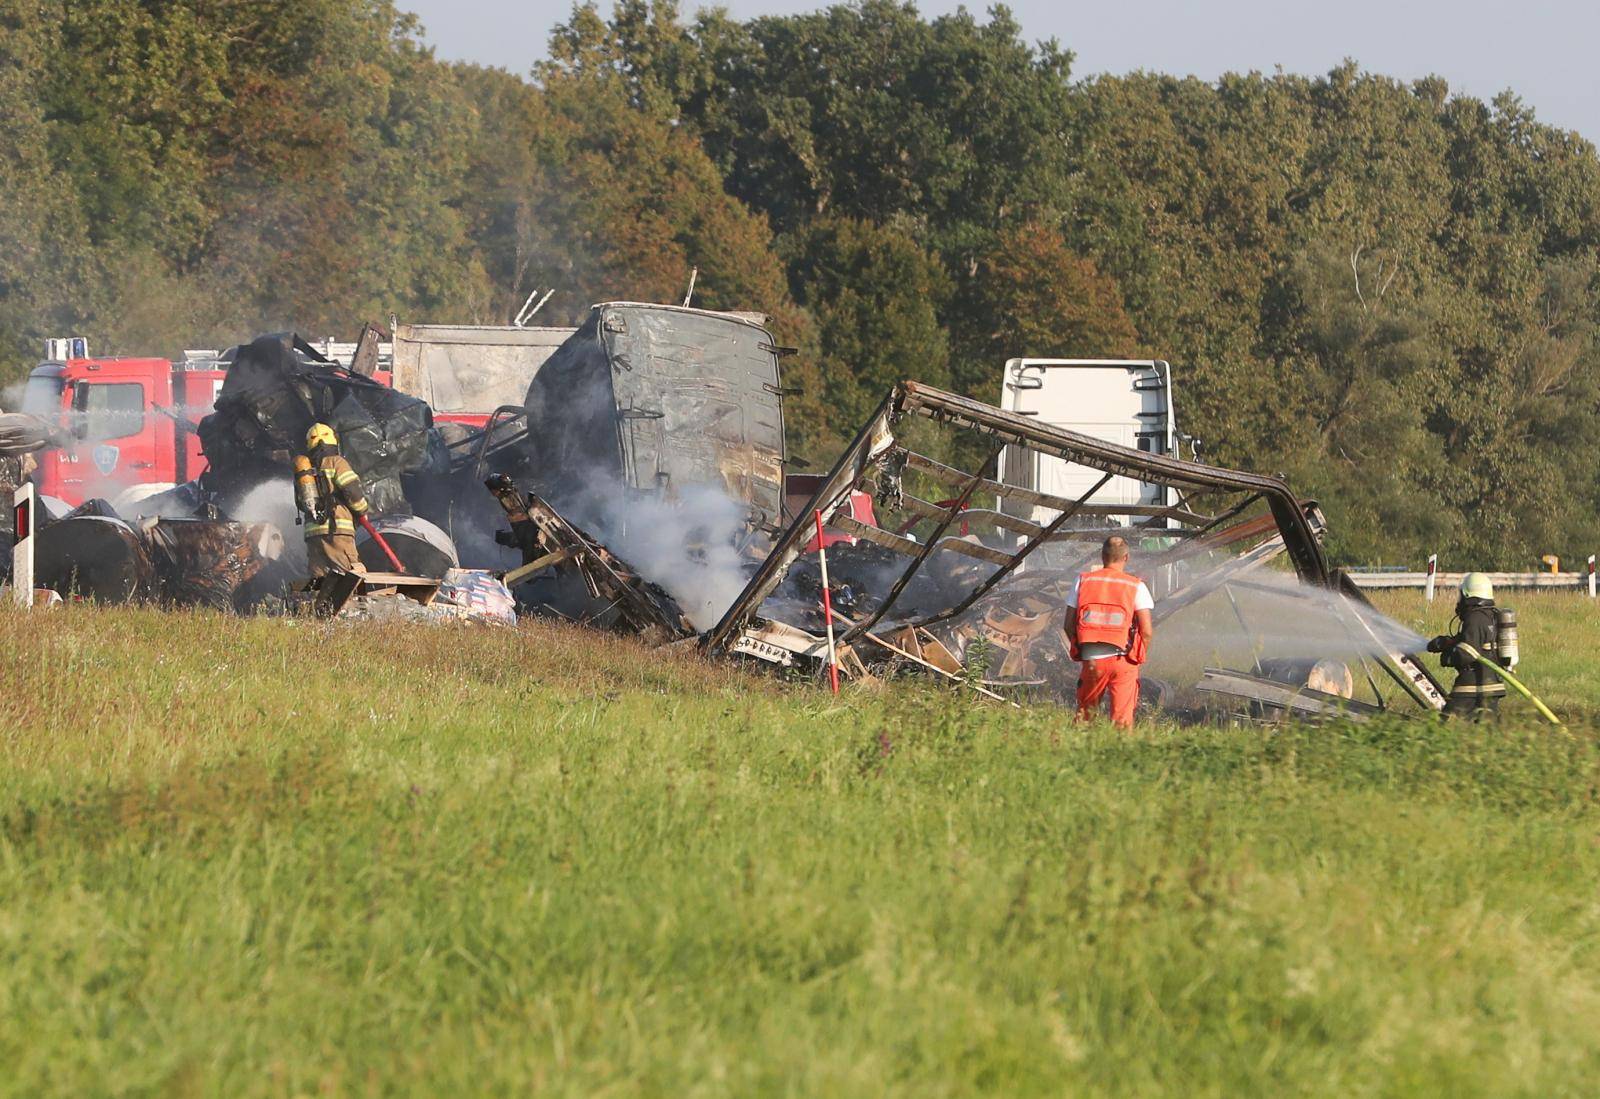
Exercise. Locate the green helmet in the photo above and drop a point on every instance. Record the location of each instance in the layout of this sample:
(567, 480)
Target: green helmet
(1476, 585)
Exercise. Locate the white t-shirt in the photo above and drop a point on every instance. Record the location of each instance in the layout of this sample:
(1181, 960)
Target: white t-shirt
(1098, 650)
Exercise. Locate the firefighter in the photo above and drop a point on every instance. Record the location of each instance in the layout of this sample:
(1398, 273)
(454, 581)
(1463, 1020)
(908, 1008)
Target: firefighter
(1477, 691)
(1109, 629)
(329, 492)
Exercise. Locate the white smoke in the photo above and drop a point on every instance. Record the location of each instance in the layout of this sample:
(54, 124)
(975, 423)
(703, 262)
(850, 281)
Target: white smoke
(269, 502)
(688, 545)
(1268, 613)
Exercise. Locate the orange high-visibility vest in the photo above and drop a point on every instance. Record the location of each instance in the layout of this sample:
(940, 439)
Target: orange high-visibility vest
(1105, 607)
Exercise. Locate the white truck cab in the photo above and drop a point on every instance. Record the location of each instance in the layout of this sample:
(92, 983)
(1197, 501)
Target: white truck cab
(1125, 401)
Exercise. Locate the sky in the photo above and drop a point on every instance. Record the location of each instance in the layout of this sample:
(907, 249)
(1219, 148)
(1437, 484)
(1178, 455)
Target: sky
(1543, 51)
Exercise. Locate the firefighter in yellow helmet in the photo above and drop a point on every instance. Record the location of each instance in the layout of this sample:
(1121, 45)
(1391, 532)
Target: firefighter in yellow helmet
(330, 495)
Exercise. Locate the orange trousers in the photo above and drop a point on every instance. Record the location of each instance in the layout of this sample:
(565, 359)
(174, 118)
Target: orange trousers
(1109, 675)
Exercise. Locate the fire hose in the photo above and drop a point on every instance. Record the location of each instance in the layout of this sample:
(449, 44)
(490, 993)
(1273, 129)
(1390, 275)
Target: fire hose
(1511, 681)
(378, 538)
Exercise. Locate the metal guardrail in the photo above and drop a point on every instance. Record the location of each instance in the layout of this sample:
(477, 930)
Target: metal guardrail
(1448, 581)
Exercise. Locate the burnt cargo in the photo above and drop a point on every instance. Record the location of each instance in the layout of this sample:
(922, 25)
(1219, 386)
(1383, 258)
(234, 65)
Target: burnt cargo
(658, 400)
(93, 553)
(219, 564)
(277, 386)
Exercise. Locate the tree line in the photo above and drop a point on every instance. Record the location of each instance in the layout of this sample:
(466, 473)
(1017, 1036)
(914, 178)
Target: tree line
(1381, 289)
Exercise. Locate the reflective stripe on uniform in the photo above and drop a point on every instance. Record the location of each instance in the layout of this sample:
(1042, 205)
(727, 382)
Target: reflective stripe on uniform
(1495, 688)
(340, 526)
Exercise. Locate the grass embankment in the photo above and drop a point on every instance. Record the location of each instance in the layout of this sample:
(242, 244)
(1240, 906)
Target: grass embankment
(268, 857)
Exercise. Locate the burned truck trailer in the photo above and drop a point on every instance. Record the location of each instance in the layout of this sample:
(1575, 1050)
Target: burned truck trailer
(948, 564)
(657, 432)
(657, 401)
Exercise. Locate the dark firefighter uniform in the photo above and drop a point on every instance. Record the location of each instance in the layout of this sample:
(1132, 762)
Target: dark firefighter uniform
(339, 498)
(1477, 691)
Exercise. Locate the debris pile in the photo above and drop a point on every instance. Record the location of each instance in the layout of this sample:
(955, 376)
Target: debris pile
(578, 578)
(277, 387)
(94, 553)
(461, 595)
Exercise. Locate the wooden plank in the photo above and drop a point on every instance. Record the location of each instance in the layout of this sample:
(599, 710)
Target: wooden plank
(954, 678)
(422, 589)
(538, 564)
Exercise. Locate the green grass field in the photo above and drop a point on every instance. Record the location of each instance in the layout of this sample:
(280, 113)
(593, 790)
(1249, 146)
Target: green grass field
(278, 858)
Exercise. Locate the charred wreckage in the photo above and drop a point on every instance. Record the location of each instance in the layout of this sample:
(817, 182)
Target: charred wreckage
(641, 486)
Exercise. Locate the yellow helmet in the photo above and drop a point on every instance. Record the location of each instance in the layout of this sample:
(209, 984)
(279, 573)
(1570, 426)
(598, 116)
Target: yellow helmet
(320, 435)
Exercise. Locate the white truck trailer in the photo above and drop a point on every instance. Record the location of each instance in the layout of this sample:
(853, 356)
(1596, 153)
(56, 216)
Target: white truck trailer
(1126, 401)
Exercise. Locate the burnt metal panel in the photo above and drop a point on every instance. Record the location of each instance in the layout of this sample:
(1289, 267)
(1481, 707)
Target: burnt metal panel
(659, 400)
(572, 435)
(698, 402)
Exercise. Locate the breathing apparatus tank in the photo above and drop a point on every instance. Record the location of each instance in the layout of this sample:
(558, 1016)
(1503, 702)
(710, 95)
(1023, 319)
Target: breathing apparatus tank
(306, 499)
(1505, 620)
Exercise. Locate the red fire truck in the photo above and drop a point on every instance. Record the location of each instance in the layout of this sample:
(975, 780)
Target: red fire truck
(131, 421)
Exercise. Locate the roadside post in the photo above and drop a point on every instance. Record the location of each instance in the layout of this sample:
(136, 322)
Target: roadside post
(1433, 568)
(23, 503)
(1591, 576)
(827, 606)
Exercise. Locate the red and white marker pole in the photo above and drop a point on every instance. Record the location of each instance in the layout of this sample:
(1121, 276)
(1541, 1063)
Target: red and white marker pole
(24, 503)
(1433, 570)
(827, 606)
(1591, 576)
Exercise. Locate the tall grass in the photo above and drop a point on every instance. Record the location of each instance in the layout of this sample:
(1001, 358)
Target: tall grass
(275, 858)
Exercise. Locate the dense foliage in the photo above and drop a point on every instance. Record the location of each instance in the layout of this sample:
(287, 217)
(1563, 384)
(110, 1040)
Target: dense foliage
(1385, 291)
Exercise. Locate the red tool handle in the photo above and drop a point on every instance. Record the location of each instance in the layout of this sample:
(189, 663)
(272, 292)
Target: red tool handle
(384, 546)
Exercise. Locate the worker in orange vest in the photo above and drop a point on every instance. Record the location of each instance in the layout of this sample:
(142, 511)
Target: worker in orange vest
(1109, 629)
